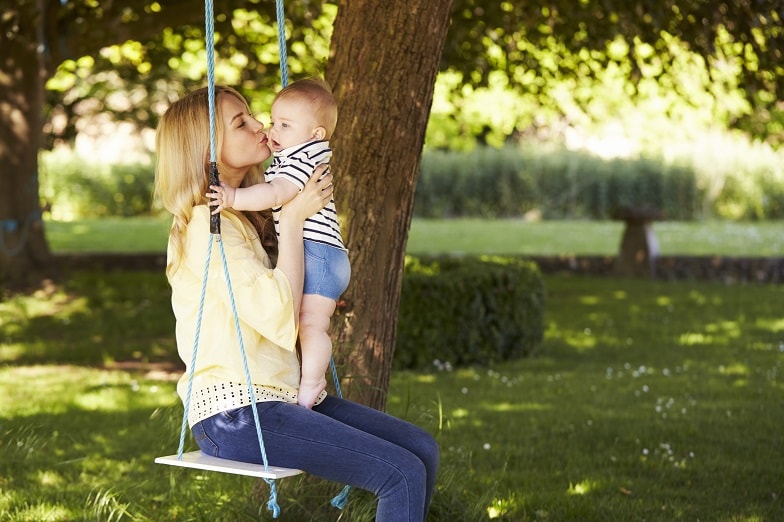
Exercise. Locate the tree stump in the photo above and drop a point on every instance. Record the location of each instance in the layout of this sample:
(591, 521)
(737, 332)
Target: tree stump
(639, 246)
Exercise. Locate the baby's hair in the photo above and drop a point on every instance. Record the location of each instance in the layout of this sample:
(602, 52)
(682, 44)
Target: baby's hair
(318, 93)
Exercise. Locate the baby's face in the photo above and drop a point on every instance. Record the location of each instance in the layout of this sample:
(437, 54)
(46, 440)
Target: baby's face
(292, 123)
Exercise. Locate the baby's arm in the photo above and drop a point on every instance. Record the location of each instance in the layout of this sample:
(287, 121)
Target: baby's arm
(256, 197)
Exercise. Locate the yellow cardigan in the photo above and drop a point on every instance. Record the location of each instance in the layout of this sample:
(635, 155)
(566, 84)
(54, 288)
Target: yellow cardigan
(264, 305)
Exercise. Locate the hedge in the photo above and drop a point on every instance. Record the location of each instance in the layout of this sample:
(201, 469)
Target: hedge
(468, 310)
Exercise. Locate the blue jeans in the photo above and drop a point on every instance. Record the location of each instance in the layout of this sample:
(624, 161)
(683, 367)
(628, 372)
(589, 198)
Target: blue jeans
(327, 270)
(338, 440)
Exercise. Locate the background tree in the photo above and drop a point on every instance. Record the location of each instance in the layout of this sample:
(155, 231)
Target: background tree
(382, 64)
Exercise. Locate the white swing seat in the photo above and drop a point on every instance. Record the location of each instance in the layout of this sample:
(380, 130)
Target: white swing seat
(199, 460)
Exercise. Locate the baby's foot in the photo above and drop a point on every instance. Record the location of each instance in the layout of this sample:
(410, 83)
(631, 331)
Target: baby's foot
(309, 391)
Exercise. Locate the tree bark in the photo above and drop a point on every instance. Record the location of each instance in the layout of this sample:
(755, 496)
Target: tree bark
(24, 253)
(382, 69)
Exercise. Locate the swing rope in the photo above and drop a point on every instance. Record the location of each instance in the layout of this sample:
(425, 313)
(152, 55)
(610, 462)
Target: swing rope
(272, 503)
(284, 67)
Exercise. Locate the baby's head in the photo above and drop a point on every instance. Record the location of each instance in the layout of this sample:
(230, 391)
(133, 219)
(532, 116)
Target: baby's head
(303, 111)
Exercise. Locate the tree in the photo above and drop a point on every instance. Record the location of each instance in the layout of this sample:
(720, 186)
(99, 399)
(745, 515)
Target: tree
(384, 64)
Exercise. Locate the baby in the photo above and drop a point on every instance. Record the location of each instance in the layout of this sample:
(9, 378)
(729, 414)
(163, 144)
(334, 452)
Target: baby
(304, 115)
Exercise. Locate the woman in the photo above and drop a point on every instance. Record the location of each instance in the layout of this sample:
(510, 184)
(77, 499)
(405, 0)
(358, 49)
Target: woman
(338, 440)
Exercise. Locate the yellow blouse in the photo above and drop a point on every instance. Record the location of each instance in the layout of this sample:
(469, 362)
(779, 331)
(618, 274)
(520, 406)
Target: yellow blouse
(264, 305)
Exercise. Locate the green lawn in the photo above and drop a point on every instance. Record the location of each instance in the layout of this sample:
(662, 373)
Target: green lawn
(471, 236)
(648, 400)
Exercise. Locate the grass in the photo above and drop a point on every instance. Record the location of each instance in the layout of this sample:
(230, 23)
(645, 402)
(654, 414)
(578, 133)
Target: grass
(647, 401)
(472, 236)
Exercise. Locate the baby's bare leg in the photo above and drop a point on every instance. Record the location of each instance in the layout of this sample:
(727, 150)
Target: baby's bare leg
(316, 346)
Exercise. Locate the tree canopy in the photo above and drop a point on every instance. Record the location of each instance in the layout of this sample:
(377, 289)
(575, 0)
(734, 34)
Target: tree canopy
(525, 46)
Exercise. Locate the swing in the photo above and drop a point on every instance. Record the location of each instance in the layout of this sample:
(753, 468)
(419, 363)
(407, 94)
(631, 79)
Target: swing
(197, 459)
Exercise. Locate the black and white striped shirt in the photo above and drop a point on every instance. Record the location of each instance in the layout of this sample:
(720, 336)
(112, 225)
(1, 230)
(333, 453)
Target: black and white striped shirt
(296, 164)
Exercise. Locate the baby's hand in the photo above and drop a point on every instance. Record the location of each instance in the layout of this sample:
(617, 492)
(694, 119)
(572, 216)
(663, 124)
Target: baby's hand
(222, 197)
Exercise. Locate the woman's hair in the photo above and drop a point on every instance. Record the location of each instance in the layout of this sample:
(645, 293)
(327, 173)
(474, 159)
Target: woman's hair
(182, 143)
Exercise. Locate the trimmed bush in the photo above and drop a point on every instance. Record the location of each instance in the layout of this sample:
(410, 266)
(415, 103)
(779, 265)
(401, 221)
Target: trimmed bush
(468, 310)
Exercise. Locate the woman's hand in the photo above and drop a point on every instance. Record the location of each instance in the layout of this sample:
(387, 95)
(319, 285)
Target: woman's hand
(314, 196)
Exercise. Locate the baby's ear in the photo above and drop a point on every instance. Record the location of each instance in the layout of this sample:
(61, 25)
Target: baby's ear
(319, 133)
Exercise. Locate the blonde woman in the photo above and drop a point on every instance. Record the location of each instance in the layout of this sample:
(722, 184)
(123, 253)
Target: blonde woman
(337, 439)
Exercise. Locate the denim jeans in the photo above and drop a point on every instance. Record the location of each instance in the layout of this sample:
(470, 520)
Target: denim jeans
(338, 440)
(327, 270)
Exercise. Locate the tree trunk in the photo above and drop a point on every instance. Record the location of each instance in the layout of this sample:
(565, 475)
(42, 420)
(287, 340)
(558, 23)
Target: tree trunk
(383, 75)
(24, 253)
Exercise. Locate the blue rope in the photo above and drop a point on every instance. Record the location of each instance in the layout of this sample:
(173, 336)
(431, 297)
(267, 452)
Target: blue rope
(12, 225)
(210, 35)
(284, 66)
(335, 377)
(272, 504)
(195, 351)
(340, 500)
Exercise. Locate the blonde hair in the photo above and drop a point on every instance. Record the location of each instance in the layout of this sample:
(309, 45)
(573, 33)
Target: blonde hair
(318, 94)
(182, 143)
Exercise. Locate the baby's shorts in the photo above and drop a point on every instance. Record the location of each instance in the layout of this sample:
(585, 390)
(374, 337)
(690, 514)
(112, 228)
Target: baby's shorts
(327, 270)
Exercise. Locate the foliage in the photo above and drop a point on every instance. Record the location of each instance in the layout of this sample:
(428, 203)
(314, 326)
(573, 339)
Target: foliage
(719, 174)
(468, 310)
(525, 42)
(135, 79)
(506, 69)
(648, 400)
(716, 176)
(74, 188)
(627, 98)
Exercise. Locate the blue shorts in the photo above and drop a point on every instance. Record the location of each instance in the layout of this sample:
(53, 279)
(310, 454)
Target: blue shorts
(327, 270)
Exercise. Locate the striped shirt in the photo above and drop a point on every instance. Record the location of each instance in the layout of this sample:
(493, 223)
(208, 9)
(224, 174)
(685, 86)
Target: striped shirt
(296, 164)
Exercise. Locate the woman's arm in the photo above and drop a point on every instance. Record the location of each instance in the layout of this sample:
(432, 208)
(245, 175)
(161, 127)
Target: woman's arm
(314, 197)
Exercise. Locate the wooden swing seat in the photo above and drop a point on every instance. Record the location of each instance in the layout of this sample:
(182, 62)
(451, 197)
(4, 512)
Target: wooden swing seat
(198, 460)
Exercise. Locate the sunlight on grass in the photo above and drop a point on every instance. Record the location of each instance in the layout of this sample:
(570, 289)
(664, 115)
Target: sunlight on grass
(460, 413)
(499, 507)
(45, 512)
(581, 341)
(517, 406)
(695, 338)
(773, 324)
(735, 370)
(49, 478)
(581, 488)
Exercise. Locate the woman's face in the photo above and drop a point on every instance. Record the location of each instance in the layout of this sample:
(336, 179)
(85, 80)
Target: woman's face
(244, 143)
